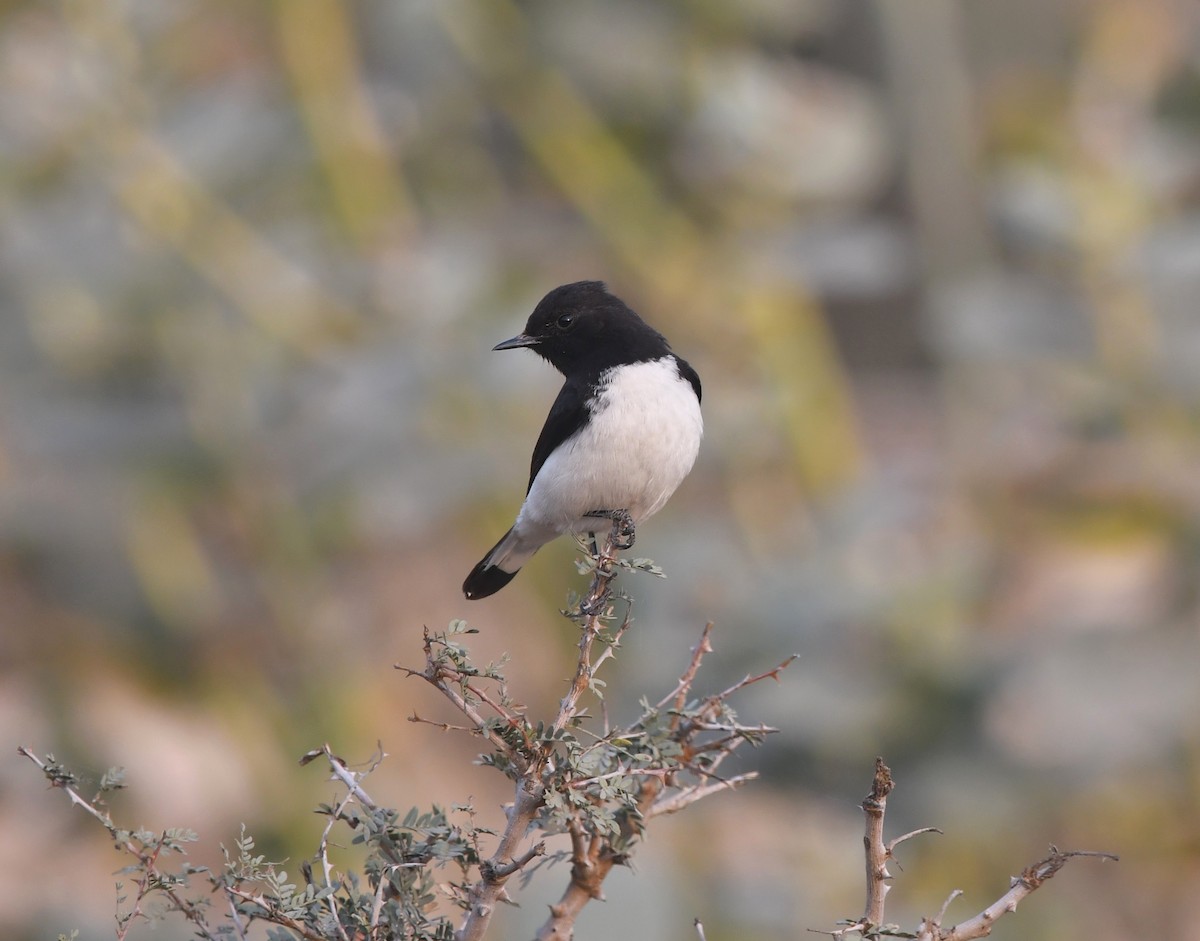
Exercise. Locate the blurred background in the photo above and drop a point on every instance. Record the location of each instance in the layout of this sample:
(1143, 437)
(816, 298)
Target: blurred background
(937, 264)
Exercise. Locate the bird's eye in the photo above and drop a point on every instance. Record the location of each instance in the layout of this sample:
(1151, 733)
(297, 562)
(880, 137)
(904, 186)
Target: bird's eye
(565, 321)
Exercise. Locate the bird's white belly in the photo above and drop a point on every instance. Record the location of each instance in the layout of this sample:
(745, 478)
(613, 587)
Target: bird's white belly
(640, 443)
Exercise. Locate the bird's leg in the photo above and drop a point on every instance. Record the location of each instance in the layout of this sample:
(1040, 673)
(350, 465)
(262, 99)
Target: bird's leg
(623, 531)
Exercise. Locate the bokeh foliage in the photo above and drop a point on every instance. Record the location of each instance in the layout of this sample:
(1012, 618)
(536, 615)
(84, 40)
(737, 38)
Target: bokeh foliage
(936, 263)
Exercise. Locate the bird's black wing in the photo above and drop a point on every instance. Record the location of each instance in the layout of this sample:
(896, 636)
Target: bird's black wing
(686, 372)
(567, 415)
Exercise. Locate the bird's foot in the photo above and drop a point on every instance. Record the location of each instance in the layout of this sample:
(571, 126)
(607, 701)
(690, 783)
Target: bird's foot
(623, 530)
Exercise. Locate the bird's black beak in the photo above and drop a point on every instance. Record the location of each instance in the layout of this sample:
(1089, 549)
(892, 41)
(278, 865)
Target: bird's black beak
(517, 342)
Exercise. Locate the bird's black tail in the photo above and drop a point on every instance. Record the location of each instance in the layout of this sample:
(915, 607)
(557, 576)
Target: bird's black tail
(487, 578)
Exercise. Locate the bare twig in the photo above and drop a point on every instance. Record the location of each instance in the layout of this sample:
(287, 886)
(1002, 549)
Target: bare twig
(538, 849)
(443, 726)
(893, 843)
(377, 901)
(1031, 879)
(70, 791)
(611, 648)
(347, 777)
(236, 918)
(946, 905)
(323, 847)
(751, 678)
(676, 802)
(740, 734)
(688, 677)
(878, 854)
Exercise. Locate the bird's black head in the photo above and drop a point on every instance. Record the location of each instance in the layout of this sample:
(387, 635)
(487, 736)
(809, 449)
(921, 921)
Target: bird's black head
(581, 328)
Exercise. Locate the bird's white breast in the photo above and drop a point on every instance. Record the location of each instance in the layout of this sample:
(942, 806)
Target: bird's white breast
(640, 443)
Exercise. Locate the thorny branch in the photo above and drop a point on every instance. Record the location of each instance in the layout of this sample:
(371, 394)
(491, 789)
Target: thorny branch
(980, 926)
(459, 688)
(354, 793)
(593, 857)
(146, 855)
(602, 792)
(878, 853)
(575, 774)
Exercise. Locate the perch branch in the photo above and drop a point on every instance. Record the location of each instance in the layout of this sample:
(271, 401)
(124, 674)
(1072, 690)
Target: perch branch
(684, 686)
(591, 610)
(531, 788)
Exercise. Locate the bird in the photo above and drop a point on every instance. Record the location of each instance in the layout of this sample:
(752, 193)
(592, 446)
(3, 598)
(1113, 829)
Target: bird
(620, 437)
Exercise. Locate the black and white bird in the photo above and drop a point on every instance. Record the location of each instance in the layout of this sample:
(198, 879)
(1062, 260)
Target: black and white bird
(621, 436)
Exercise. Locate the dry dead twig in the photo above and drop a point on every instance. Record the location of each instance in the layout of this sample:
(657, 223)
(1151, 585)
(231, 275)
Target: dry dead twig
(878, 853)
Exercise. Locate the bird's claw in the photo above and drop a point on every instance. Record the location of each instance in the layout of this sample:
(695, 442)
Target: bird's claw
(623, 529)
